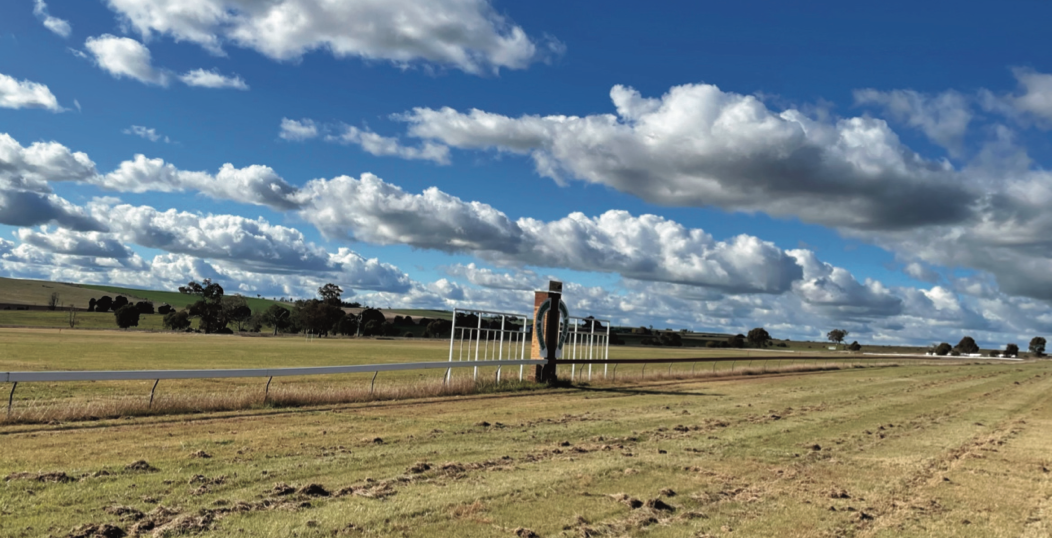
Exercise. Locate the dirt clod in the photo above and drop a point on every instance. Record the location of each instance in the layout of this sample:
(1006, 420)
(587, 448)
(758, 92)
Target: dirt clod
(523, 532)
(838, 493)
(126, 513)
(92, 530)
(314, 490)
(140, 466)
(282, 488)
(420, 467)
(668, 492)
(658, 504)
(200, 454)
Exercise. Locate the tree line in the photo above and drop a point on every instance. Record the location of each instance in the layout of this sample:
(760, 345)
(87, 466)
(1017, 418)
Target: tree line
(967, 346)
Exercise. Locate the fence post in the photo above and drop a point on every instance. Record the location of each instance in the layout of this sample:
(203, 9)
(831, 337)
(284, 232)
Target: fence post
(151, 393)
(452, 338)
(670, 368)
(11, 398)
(644, 374)
(266, 392)
(371, 384)
(732, 364)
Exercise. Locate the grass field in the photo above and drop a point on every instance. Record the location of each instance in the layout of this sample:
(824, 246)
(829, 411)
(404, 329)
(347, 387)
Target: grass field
(37, 292)
(926, 450)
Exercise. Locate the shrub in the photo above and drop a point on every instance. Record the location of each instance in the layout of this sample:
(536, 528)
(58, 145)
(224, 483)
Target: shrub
(104, 304)
(942, 349)
(164, 309)
(854, 346)
(1011, 350)
(144, 307)
(127, 316)
(409, 334)
(119, 302)
(177, 320)
(967, 345)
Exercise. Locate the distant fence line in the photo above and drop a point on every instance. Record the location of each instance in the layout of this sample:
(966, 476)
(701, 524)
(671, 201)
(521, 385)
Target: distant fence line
(157, 375)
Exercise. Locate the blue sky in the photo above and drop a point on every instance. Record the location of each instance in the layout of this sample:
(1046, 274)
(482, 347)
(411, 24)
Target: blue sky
(882, 168)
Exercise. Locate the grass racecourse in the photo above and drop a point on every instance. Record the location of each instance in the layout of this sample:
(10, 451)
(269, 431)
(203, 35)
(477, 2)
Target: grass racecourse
(919, 449)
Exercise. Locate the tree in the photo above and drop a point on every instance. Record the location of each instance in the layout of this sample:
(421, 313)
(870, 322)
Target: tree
(177, 320)
(52, 302)
(209, 310)
(236, 310)
(104, 303)
(119, 303)
(127, 316)
(144, 307)
(318, 317)
(1011, 350)
(277, 317)
(967, 346)
(91, 304)
(438, 328)
(671, 339)
(372, 314)
(837, 336)
(193, 288)
(942, 349)
(347, 326)
(330, 294)
(737, 341)
(1037, 346)
(164, 309)
(854, 346)
(758, 337)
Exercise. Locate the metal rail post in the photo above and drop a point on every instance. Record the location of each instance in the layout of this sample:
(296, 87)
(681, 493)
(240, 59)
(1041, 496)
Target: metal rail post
(452, 337)
(11, 398)
(373, 382)
(266, 392)
(151, 393)
(606, 346)
(500, 352)
(478, 339)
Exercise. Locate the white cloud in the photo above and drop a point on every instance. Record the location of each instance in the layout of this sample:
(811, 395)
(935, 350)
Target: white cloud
(381, 146)
(125, 57)
(298, 130)
(26, 94)
(212, 79)
(146, 132)
(835, 291)
(1037, 94)
(522, 280)
(33, 167)
(700, 146)
(254, 184)
(467, 34)
(943, 118)
(63, 241)
(921, 272)
(55, 24)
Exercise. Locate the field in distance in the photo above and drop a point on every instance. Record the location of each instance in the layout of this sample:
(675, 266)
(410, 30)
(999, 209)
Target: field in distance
(932, 450)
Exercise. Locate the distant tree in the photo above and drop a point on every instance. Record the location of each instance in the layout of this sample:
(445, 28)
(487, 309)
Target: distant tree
(127, 316)
(177, 320)
(854, 346)
(967, 346)
(53, 301)
(671, 339)
(91, 304)
(164, 309)
(942, 349)
(353, 305)
(736, 341)
(371, 314)
(373, 328)
(837, 336)
(347, 326)
(193, 288)
(1011, 350)
(209, 310)
(236, 311)
(955, 353)
(119, 302)
(330, 294)
(758, 337)
(277, 317)
(712, 343)
(318, 317)
(104, 304)
(1037, 346)
(144, 307)
(438, 328)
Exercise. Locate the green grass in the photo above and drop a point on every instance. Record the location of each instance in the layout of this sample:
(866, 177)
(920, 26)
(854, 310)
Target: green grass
(174, 298)
(910, 451)
(84, 320)
(37, 292)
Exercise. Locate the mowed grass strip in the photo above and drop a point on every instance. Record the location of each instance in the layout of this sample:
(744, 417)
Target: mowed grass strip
(913, 450)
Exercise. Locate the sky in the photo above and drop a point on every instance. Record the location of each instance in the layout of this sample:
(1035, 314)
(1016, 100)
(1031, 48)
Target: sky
(883, 169)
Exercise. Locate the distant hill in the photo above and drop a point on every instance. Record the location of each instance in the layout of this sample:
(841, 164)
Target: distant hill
(14, 291)
(173, 298)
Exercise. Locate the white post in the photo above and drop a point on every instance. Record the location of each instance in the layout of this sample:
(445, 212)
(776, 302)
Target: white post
(606, 348)
(452, 338)
(500, 352)
(522, 354)
(478, 339)
(573, 351)
(591, 345)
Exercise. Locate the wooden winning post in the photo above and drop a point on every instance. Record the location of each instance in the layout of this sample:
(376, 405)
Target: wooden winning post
(547, 314)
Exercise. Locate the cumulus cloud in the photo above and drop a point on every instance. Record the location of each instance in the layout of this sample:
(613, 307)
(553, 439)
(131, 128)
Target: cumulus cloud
(943, 118)
(64, 241)
(298, 130)
(1036, 98)
(254, 184)
(523, 280)
(27, 208)
(467, 34)
(125, 57)
(835, 291)
(700, 146)
(383, 146)
(33, 167)
(212, 79)
(921, 272)
(372, 210)
(26, 94)
(145, 132)
(55, 24)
